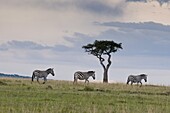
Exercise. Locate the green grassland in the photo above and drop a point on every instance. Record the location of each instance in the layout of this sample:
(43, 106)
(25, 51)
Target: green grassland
(22, 96)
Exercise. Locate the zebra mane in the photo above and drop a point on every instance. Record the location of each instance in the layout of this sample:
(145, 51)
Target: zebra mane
(49, 69)
(142, 75)
(91, 72)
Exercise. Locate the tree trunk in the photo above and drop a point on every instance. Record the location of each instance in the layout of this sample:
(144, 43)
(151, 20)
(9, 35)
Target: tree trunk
(105, 76)
(106, 68)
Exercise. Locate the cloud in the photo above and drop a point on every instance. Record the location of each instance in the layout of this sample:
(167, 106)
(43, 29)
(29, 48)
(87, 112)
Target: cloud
(146, 38)
(48, 22)
(32, 53)
(153, 38)
(100, 7)
(161, 2)
(141, 25)
(136, 0)
(14, 44)
(142, 48)
(139, 39)
(92, 6)
(24, 52)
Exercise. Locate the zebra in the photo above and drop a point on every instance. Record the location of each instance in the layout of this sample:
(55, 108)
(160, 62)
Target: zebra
(136, 78)
(83, 76)
(42, 74)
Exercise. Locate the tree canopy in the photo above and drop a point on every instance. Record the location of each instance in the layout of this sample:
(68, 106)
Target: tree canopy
(103, 47)
(99, 48)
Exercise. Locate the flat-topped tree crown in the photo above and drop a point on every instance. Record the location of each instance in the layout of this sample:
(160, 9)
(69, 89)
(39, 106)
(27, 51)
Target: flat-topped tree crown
(103, 47)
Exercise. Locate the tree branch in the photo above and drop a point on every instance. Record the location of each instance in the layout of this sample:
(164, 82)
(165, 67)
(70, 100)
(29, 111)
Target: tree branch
(101, 61)
(109, 61)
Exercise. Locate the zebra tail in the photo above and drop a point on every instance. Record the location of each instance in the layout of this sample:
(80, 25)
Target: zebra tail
(127, 81)
(33, 76)
(75, 78)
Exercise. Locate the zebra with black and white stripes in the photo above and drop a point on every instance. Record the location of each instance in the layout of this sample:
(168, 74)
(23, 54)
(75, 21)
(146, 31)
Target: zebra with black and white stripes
(42, 74)
(136, 79)
(83, 76)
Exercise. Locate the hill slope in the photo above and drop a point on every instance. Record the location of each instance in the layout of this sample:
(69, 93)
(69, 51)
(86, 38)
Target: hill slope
(25, 96)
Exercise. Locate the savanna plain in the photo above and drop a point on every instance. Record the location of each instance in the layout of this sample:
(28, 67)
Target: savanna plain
(22, 96)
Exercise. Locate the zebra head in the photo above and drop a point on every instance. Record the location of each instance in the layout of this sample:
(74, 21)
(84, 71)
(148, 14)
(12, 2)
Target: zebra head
(144, 76)
(92, 73)
(51, 71)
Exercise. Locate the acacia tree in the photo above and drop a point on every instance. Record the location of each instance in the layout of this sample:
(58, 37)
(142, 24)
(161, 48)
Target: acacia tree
(100, 49)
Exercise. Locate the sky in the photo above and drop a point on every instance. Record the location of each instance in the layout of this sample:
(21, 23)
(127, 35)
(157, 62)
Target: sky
(38, 34)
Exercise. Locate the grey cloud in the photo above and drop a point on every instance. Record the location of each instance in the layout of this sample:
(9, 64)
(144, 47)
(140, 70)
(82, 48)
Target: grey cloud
(136, 0)
(140, 42)
(91, 6)
(135, 43)
(14, 44)
(96, 6)
(146, 38)
(78, 40)
(142, 25)
(161, 2)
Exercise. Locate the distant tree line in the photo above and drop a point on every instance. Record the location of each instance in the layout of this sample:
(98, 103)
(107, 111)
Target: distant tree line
(13, 75)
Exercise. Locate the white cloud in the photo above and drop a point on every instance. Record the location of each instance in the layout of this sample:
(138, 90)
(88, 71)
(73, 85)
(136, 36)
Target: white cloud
(47, 22)
(150, 11)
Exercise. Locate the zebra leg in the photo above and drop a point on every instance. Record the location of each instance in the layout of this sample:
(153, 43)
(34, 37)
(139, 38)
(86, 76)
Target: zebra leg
(141, 84)
(45, 79)
(131, 83)
(127, 82)
(75, 81)
(86, 80)
(38, 79)
(33, 77)
(75, 78)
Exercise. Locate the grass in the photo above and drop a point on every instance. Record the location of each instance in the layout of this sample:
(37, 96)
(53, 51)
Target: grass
(22, 96)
